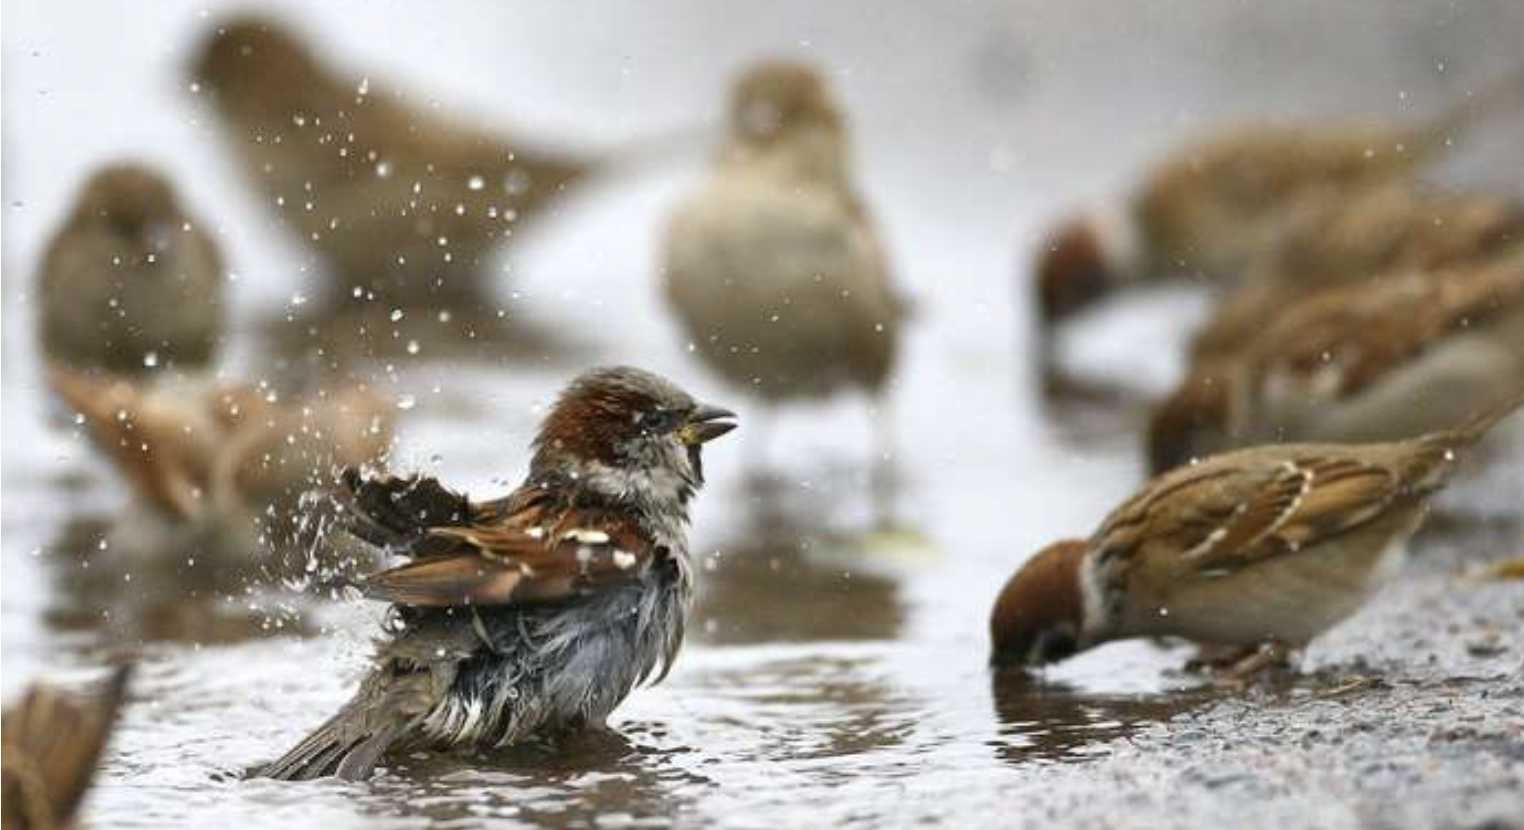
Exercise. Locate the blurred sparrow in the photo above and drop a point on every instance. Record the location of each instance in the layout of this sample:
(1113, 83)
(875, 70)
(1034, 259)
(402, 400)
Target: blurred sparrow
(1209, 205)
(774, 266)
(130, 283)
(212, 461)
(1264, 546)
(1379, 360)
(1325, 242)
(532, 615)
(54, 740)
(398, 200)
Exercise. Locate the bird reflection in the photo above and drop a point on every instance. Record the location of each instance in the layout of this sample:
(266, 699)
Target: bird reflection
(773, 580)
(126, 601)
(1042, 721)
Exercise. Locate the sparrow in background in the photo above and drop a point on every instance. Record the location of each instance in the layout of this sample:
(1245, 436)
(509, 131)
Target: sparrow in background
(774, 266)
(212, 462)
(1269, 546)
(1378, 360)
(1209, 205)
(400, 202)
(1349, 237)
(130, 283)
(532, 615)
(54, 740)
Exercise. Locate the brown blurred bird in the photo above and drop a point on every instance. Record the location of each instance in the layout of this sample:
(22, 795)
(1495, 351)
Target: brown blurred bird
(1207, 207)
(215, 461)
(774, 267)
(400, 201)
(130, 283)
(1325, 242)
(54, 740)
(1388, 358)
(533, 615)
(1269, 546)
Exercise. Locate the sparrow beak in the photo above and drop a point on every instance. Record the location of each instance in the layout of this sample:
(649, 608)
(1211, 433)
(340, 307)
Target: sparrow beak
(705, 424)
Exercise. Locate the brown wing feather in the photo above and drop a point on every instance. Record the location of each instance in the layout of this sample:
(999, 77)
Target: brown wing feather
(53, 742)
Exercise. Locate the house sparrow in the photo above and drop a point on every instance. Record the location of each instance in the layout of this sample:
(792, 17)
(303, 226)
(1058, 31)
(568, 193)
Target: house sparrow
(54, 739)
(1207, 207)
(773, 266)
(212, 461)
(1272, 544)
(399, 201)
(537, 613)
(1383, 359)
(130, 283)
(1324, 242)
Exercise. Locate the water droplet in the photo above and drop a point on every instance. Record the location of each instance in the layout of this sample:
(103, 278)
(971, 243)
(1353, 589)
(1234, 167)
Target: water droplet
(407, 402)
(413, 347)
(151, 359)
(476, 183)
(397, 315)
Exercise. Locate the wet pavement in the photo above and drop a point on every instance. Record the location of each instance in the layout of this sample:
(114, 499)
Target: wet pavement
(834, 676)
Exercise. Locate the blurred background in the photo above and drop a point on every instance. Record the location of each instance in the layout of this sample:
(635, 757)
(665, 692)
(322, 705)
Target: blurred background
(828, 679)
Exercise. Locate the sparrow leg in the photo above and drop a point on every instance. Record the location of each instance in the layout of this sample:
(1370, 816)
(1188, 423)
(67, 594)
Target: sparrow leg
(1254, 663)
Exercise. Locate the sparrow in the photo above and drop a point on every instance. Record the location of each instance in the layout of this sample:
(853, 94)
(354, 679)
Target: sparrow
(130, 283)
(1383, 359)
(218, 462)
(401, 202)
(1325, 242)
(774, 267)
(1208, 206)
(535, 614)
(54, 740)
(1271, 545)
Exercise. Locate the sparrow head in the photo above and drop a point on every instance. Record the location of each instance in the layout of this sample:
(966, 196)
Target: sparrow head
(254, 64)
(628, 435)
(1191, 423)
(1040, 613)
(130, 199)
(1074, 270)
(779, 99)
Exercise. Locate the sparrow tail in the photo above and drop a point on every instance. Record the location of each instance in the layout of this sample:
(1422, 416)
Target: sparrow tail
(342, 747)
(1473, 430)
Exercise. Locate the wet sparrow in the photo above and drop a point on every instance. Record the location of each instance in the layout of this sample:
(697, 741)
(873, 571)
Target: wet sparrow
(534, 614)
(774, 266)
(130, 283)
(213, 462)
(398, 200)
(54, 739)
(1270, 545)
(1209, 205)
(1378, 360)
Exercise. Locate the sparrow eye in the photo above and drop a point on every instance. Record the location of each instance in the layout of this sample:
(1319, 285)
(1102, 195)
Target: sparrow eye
(657, 421)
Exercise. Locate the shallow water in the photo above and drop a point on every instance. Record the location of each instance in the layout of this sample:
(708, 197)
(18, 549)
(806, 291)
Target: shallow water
(832, 676)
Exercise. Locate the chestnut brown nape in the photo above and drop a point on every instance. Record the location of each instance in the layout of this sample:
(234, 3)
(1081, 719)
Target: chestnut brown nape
(1191, 423)
(1072, 271)
(1039, 614)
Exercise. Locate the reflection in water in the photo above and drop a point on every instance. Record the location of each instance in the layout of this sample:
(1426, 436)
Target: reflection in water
(182, 596)
(1042, 721)
(773, 583)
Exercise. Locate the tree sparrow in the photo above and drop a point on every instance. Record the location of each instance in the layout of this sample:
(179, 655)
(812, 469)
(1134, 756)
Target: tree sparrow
(130, 283)
(54, 740)
(1272, 544)
(1206, 208)
(1378, 360)
(210, 462)
(399, 201)
(537, 613)
(1325, 242)
(774, 266)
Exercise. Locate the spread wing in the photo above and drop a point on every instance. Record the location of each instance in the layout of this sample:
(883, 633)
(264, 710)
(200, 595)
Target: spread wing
(522, 549)
(1241, 509)
(53, 741)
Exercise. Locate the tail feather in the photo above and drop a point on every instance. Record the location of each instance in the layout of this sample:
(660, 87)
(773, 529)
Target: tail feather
(1473, 430)
(1434, 462)
(337, 748)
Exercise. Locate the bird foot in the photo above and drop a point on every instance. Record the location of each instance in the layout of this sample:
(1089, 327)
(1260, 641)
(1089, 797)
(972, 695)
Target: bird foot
(1234, 669)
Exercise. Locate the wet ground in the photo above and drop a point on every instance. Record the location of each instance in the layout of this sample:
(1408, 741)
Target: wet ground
(834, 677)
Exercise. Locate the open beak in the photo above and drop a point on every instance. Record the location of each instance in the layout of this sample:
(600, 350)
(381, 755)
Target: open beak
(706, 424)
